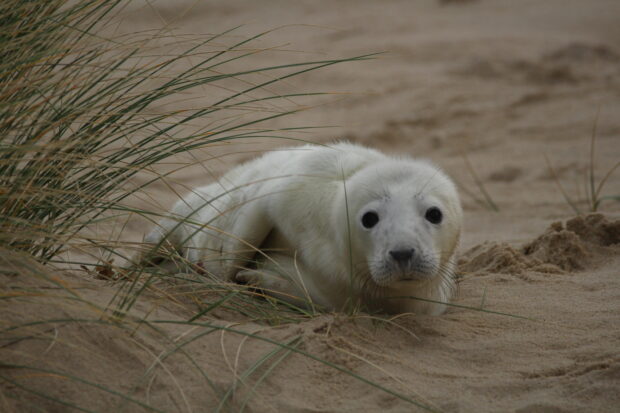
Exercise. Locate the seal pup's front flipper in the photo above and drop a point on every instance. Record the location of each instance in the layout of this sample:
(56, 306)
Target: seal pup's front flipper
(239, 239)
(283, 277)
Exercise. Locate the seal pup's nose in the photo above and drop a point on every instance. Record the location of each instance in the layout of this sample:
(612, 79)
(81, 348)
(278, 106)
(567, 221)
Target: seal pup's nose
(402, 256)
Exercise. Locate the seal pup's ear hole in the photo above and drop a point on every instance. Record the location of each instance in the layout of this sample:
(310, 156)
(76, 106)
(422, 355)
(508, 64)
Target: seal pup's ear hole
(433, 215)
(370, 219)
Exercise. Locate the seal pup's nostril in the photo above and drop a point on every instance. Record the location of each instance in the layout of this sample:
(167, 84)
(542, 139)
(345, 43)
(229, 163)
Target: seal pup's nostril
(402, 256)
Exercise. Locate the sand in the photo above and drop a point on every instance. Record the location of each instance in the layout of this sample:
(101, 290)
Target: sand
(490, 86)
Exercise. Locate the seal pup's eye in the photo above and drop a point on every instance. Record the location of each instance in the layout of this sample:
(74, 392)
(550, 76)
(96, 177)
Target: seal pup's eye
(370, 219)
(433, 215)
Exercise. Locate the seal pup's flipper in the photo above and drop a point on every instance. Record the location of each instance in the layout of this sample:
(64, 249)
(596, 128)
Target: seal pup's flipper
(209, 231)
(283, 277)
(238, 241)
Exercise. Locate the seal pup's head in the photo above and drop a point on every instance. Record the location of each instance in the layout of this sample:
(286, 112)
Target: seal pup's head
(405, 218)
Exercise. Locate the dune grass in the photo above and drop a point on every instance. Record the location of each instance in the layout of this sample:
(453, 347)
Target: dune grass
(80, 122)
(595, 197)
(486, 200)
(593, 190)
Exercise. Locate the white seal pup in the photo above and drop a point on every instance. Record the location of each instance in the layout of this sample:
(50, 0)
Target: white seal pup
(327, 226)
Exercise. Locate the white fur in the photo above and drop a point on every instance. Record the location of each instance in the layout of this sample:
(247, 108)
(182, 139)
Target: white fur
(292, 206)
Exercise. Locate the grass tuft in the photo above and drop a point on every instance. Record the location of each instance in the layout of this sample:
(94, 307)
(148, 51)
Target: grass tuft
(80, 120)
(594, 190)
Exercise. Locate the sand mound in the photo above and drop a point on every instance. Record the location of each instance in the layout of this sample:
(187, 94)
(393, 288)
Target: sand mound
(494, 257)
(595, 229)
(576, 245)
(573, 246)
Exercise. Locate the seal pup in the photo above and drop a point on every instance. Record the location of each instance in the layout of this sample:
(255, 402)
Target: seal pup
(326, 226)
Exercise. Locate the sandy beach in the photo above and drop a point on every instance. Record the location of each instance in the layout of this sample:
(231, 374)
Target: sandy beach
(502, 95)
